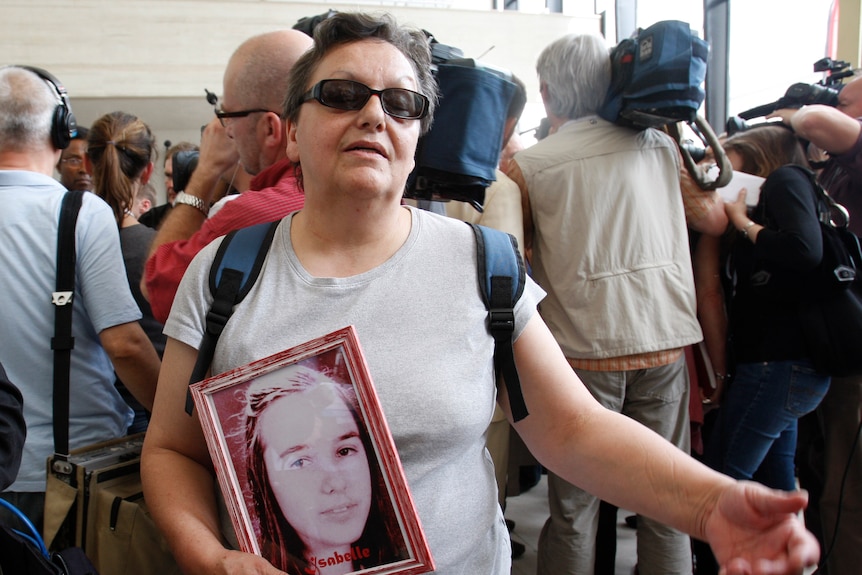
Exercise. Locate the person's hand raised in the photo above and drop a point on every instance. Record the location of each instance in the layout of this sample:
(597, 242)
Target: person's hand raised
(218, 154)
(785, 114)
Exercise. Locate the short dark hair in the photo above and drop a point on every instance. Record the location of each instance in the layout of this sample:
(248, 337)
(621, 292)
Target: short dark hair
(82, 133)
(180, 147)
(344, 28)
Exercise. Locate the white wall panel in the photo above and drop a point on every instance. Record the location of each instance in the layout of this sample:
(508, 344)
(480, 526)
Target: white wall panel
(155, 57)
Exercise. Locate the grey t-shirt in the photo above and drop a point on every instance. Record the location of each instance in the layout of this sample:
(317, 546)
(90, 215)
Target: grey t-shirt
(421, 323)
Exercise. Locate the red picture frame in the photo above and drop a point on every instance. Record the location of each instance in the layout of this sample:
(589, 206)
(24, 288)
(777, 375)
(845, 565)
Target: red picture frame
(286, 435)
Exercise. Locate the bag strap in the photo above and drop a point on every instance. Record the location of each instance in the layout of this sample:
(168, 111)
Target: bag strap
(827, 211)
(62, 343)
(232, 275)
(501, 279)
(827, 207)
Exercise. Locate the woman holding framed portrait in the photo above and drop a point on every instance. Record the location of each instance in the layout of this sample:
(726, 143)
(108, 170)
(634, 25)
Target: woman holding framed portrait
(356, 106)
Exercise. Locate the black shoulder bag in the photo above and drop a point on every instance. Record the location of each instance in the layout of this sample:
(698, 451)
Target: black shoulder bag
(832, 316)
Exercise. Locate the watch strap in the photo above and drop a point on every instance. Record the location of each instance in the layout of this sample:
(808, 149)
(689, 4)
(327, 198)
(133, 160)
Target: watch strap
(193, 201)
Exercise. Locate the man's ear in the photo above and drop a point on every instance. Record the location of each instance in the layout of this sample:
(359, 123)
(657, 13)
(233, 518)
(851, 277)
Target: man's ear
(543, 90)
(273, 129)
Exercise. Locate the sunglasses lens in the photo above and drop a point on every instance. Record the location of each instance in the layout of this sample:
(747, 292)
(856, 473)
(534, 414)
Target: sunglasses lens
(344, 94)
(350, 95)
(402, 103)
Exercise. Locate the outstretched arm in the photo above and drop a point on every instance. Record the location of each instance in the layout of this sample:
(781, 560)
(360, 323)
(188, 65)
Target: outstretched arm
(752, 529)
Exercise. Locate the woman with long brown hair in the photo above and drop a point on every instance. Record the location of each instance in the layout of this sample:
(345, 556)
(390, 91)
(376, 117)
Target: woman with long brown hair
(121, 149)
(778, 246)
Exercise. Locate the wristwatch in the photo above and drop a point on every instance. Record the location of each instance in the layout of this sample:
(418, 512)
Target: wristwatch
(193, 201)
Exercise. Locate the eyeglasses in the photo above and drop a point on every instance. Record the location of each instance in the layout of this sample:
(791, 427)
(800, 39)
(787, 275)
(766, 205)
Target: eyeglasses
(350, 95)
(74, 161)
(222, 115)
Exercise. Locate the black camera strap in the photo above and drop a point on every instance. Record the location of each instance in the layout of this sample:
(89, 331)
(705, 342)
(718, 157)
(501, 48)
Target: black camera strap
(62, 343)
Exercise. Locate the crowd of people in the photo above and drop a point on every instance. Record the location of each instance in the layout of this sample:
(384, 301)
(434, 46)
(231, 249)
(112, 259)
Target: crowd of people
(631, 266)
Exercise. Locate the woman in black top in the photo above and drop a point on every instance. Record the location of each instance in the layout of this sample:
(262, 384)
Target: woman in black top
(779, 243)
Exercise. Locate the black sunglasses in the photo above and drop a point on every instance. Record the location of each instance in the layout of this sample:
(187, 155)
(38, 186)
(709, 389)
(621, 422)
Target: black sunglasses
(221, 114)
(350, 95)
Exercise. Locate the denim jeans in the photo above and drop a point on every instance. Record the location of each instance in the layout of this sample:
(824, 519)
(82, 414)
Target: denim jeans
(756, 436)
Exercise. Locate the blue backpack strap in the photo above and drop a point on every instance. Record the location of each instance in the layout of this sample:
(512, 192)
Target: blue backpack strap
(234, 270)
(501, 279)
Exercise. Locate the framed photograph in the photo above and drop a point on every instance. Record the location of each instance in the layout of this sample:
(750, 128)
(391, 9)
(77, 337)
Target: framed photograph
(307, 464)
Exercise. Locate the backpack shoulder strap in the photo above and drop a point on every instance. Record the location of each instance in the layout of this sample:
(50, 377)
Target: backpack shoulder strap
(62, 343)
(234, 270)
(501, 278)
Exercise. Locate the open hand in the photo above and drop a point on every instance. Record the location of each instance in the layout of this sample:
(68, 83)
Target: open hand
(754, 530)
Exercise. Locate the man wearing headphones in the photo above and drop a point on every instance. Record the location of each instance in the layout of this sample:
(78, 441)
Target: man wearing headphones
(36, 124)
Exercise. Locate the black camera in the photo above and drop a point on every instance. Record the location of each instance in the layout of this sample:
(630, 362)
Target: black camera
(183, 164)
(838, 70)
(307, 24)
(801, 94)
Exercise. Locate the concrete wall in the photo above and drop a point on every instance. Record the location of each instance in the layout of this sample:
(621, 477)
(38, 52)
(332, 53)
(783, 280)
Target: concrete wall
(154, 58)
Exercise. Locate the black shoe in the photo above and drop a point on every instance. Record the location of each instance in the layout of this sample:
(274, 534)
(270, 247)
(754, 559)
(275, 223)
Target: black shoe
(518, 549)
(510, 525)
(632, 521)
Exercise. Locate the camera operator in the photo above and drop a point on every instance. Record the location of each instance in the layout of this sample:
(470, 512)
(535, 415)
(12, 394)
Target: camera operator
(246, 134)
(838, 131)
(832, 429)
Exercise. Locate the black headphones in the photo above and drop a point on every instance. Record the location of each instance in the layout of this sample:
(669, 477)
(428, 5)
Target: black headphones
(64, 127)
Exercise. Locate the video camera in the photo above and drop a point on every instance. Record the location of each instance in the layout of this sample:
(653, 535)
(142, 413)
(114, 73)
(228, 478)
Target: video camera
(801, 94)
(457, 158)
(183, 164)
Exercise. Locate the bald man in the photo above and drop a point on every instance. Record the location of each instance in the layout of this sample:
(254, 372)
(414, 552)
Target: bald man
(247, 135)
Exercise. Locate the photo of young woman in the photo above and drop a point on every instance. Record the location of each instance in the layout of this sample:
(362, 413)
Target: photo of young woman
(318, 490)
